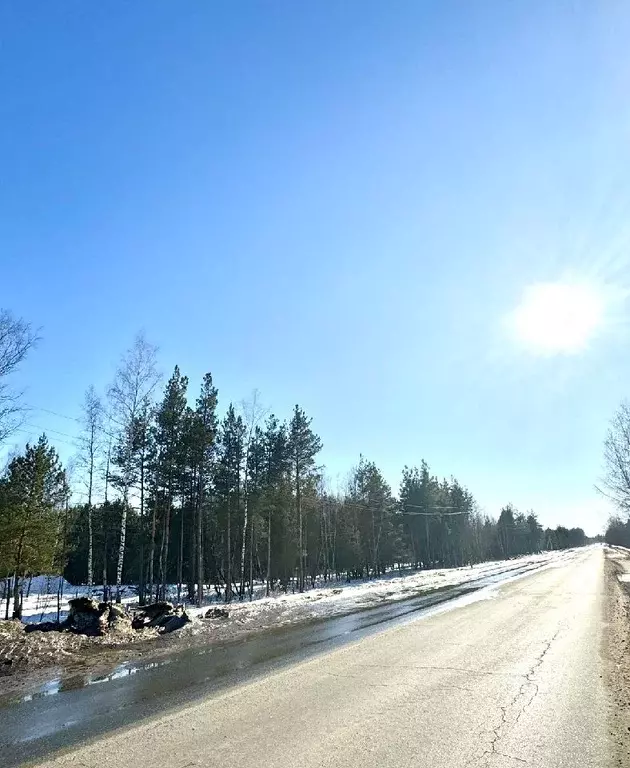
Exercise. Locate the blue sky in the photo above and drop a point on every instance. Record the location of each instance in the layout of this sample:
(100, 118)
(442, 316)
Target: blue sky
(341, 204)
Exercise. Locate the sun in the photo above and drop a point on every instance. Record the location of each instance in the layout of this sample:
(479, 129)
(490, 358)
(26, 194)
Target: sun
(557, 318)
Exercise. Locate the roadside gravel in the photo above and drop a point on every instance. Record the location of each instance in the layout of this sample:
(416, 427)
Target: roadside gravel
(616, 650)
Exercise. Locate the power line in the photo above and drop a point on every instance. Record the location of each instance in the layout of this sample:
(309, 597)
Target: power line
(441, 514)
(54, 431)
(53, 413)
(417, 506)
(68, 418)
(30, 432)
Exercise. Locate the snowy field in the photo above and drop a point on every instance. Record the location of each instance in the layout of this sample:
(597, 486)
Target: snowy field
(40, 598)
(332, 599)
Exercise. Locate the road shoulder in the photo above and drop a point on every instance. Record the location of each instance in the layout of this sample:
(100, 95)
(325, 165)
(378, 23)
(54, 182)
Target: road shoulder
(616, 651)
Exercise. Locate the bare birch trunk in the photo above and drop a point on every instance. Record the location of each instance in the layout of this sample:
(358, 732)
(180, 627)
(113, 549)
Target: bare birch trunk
(228, 569)
(152, 551)
(180, 557)
(244, 541)
(200, 543)
(268, 590)
(121, 545)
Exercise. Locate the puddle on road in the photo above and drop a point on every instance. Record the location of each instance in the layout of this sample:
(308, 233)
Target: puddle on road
(49, 688)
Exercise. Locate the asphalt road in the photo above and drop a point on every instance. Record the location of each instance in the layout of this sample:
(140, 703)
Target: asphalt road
(516, 679)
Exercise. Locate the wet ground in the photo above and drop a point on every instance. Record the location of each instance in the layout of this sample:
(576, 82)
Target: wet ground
(67, 710)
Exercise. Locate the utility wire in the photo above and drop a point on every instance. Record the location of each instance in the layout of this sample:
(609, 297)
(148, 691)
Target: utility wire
(53, 413)
(438, 507)
(68, 418)
(53, 431)
(30, 432)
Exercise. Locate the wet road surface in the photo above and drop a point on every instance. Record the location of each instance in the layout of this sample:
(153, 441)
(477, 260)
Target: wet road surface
(68, 711)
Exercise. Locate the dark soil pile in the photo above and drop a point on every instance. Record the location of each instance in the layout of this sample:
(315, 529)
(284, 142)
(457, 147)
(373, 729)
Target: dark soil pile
(90, 629)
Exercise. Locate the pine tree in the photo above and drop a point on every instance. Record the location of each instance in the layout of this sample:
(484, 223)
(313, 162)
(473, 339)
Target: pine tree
(505, 530)
(167, 436)
(304, 445)
(203, 441)
(459, 503)
(32, 492)
(275, 494)
(228, 485)
(534, 533)
(418, 501)
(374, 515)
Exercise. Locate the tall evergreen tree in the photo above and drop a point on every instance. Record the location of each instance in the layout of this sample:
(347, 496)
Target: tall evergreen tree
(169, 459)
(505, 530)
(534, 533)
(375, 515)
(275, 498)
(202, 437)
(418, 500)
(33, 494)
(304, 445)
(229, 477)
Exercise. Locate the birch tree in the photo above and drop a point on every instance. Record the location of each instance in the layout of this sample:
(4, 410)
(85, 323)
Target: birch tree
(129, 395)
(252, 413)
(90, 447)
(17, 338)
(616, 480)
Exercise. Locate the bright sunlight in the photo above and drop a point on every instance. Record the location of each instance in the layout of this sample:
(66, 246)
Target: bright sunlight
(557, 318)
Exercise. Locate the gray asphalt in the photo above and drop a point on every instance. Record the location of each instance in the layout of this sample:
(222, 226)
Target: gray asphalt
(511, 680)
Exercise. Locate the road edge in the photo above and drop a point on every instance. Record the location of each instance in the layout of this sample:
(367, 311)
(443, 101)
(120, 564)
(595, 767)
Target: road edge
(616, 654)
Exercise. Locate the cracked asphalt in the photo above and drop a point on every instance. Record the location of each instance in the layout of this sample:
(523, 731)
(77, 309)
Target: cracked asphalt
(516, 679)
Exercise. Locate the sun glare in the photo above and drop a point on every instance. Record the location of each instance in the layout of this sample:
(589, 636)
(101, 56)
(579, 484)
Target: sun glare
(557, 318)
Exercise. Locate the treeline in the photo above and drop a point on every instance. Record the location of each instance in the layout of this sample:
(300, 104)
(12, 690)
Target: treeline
(175, 494)
(618, 532)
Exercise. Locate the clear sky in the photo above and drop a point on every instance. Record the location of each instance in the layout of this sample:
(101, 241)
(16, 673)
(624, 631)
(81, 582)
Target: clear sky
(410, 217)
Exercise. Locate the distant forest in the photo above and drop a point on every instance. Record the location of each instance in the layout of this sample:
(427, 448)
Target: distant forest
(167, 489)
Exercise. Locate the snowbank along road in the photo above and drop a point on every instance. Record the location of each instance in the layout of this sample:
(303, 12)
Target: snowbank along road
(515, 679)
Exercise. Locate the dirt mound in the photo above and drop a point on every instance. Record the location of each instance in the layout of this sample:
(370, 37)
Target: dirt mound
(20, 649)
(217, 613)
(89, 618)
(162, 616)
(153, 610)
